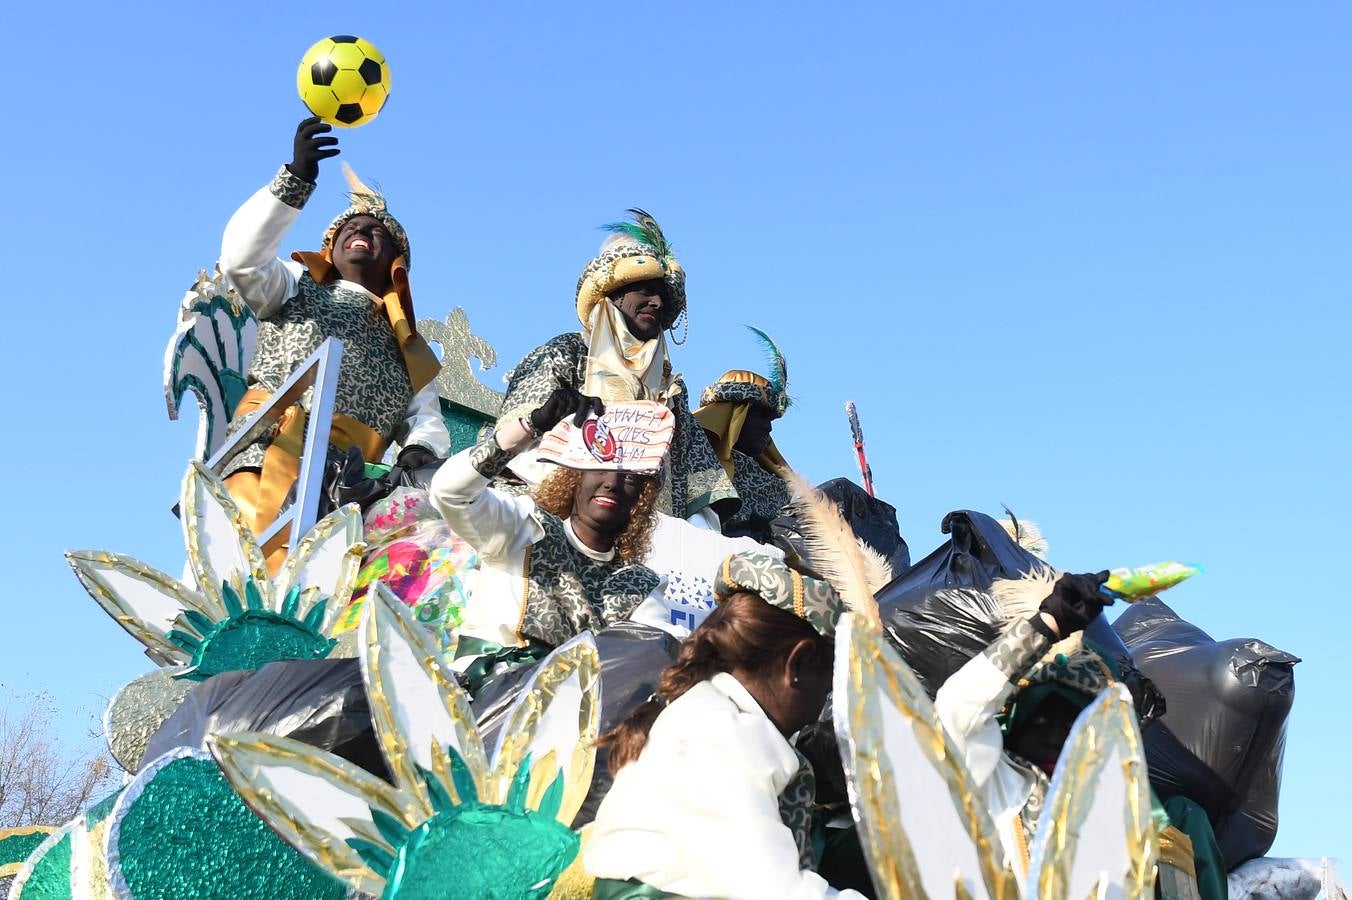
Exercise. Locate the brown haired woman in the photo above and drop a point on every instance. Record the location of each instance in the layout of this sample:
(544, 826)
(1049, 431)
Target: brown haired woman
(551, 567)
(707, 799)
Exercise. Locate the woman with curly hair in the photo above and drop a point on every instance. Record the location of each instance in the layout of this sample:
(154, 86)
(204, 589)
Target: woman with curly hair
(566, 561)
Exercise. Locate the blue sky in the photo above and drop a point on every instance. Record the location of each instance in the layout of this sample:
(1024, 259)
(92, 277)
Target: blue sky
(1083, 259)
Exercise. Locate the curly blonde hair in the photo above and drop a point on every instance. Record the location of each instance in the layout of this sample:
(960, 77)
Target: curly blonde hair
(555, 495)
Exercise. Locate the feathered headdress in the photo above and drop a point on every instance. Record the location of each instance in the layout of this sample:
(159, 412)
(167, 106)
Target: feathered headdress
(635, 251)
(643, 230)
(367, 201)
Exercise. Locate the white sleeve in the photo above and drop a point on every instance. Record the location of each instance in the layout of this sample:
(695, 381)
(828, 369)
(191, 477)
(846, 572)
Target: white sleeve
(426, 427)
(707, 519)
(249, 253)
(494, 523)
(966, 705)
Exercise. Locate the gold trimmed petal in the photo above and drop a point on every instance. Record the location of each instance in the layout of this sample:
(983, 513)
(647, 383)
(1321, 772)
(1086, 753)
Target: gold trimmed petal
(924, 828)
(416, 705)
(142, 599)
(1097, 822)
(556, 718)
(314, 800)
(325, 565)
(220, 543)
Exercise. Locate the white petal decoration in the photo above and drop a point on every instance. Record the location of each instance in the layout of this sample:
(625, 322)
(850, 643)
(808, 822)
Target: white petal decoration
(325, 564)
(416, 704)
(924, 828)
(1096, 833)
(314, 800)
(555, 721)
(143, 600)
(221, 545)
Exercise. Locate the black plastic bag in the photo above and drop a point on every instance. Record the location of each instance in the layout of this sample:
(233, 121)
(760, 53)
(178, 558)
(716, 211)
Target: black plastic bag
(874, 521)
(632, 657)
(318, 702)
(1221, 740)
(938, 614)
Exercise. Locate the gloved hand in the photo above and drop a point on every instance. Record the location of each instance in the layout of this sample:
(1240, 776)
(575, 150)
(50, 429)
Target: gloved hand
(1075, 601)
(564, 402)
(415, 456)
(309, 147)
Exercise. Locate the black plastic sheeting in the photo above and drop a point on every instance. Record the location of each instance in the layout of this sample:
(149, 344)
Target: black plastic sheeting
(1220, 743)
(632, 657)
(873, 520)
(938, 614)
(318, 702)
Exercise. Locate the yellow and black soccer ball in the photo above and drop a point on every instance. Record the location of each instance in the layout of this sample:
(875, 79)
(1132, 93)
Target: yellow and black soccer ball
(344, 80)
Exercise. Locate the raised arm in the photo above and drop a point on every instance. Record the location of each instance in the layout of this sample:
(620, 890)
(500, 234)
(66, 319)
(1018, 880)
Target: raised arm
(968, 701)
(254, 234)
(492, 522)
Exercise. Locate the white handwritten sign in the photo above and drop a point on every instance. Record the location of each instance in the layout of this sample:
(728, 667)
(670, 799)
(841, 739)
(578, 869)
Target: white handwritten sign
(630, 437)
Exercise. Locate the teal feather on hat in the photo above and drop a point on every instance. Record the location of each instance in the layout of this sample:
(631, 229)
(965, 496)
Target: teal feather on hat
(779, 368)
(643, 230)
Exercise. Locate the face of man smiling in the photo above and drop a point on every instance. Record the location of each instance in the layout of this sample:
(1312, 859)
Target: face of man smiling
(363, 250)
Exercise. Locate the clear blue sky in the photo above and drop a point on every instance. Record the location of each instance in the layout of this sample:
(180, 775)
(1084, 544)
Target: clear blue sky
(1084, 259)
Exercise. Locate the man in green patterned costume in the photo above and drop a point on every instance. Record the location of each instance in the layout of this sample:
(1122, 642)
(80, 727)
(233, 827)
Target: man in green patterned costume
(355, 288)
(738, 412)
(626, 298)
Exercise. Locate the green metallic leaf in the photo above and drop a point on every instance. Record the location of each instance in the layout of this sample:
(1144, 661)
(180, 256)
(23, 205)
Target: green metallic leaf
(378, 858)
(315, 617)
(516, 794)
(201, 623)
(394, 833)
(553, 797)
(184, 641)
(233, 606)
(441, 800)
(291, 605)
(252, 595)
(462, 778)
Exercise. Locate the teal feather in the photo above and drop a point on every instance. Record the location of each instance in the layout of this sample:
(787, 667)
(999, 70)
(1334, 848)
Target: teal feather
(779, 367)
(291, 605)
(553, 797)
(315, 617)
(645, 230)
(198, 622)
(252, 596)
(233, 606)
(516, 794)
(461, 778)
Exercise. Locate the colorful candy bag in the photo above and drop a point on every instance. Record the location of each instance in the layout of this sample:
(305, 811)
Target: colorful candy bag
(412, 550)
(1147, 581)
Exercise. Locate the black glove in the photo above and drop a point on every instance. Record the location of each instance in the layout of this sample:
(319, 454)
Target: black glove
(309, 147)
(1075, 601)
(414, 457)
(564, 402)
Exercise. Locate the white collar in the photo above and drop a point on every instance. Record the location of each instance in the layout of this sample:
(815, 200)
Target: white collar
(582, 548)
(727, 684)
(353, 286)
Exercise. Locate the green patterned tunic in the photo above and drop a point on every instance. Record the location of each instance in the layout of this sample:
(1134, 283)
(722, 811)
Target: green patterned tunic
(763, 495)
(697, 477)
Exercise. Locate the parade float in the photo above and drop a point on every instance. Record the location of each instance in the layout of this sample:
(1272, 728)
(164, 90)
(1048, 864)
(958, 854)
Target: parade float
(301, 733)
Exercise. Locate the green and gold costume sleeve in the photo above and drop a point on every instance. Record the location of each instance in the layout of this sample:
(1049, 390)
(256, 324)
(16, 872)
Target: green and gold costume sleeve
(489, 459)
(291, 190)
(1016, 651)
(556, 363)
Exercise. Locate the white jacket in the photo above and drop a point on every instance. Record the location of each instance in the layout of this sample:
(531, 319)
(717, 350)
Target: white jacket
(697, 814)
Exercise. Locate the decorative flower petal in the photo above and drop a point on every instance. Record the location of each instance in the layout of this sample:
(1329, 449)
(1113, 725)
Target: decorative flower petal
(221, 545)
(554, 722)
(921, 822)
(313, 799)
(143, 600)
(325, 564)
(416, 705)
(1097, 822)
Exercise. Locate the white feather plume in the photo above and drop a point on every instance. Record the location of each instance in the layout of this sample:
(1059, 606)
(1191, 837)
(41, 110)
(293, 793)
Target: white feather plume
(1026, 534)
(834, 549)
